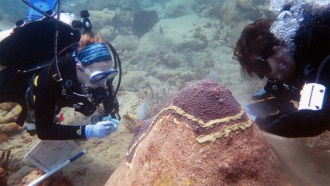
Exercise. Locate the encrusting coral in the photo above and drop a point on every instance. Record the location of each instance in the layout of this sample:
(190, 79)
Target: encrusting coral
(4, 162)
(203, 137)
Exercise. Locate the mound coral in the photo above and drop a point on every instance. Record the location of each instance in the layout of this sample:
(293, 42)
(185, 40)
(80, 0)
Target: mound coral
(203, 137)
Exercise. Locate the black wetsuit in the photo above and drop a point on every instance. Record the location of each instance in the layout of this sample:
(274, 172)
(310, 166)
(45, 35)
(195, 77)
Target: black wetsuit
(312, 42)
(13, 86)
(30, 46)
(51, 96)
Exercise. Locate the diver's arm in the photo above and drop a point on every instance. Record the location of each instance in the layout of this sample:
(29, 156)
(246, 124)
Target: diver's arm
(301, 123)
(46, 127)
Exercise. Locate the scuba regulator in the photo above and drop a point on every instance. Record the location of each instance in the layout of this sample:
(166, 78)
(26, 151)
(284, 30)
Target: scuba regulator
(85, 25)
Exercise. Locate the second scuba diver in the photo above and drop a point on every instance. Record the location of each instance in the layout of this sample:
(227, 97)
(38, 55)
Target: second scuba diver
(288, 65)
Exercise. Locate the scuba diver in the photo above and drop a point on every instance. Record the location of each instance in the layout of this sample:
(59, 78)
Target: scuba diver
(43, 81)
(291, 57)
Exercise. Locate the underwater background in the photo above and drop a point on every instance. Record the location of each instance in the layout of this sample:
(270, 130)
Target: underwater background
(164, 45)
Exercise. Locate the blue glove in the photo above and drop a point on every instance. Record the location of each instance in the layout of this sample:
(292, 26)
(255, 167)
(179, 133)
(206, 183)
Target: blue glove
(109, 118)
(101, 129)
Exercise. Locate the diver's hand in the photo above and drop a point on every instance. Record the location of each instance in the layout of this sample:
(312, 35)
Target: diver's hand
(101, 129)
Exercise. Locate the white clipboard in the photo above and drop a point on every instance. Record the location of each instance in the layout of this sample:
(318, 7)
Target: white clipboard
(49, 154)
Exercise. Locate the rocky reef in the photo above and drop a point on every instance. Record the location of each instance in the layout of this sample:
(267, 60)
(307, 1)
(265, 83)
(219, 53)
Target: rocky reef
(4, 161)
(143, 21)
(8, 116)
(203, 137)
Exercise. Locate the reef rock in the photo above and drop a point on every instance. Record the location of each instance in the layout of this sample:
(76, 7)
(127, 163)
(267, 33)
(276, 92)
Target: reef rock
(9, 112)
(143, 21)
(10, 129)
(203, 137)
(56, 179)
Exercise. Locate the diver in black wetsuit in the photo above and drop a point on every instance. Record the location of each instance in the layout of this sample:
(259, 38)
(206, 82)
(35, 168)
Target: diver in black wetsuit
(85, 82)
(81, 78)
(288, 68)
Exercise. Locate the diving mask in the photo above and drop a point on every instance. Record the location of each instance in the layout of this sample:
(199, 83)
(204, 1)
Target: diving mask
(261, 67)
(97, 76)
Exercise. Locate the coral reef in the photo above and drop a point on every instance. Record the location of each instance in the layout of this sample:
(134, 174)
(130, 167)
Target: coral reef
(154, 100)
(179, 8)
(171, 61)
(4, 162)
(214, 10)
(102, 18)
(54, 180)
(10, 129)
(132, 5)
(8, 115)
(9, 112)
(101, 4)
(203, 137)
(130, 122)
(108, 32)
(143, 21)
(198, 33)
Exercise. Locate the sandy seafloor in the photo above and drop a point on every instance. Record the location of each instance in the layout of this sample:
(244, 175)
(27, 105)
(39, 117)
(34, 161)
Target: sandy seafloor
(192, 40)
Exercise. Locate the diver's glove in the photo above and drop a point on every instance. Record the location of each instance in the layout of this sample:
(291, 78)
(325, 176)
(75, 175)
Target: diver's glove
(101, 129)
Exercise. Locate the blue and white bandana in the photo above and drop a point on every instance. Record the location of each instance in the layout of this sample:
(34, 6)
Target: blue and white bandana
(92, 53)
